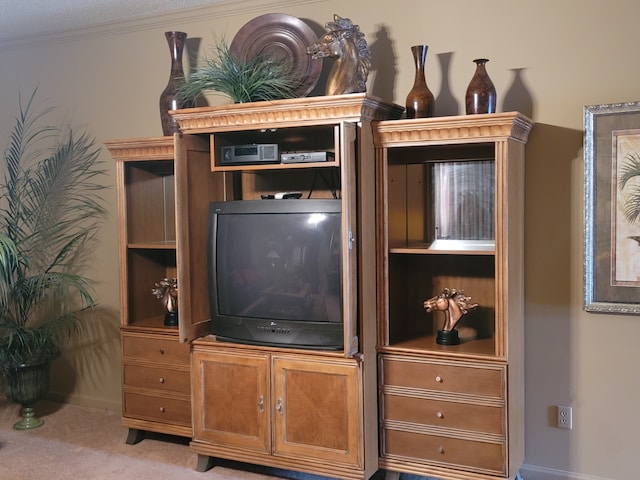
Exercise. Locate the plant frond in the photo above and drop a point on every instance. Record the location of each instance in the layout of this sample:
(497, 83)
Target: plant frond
(254, 79)
(629, 169)
(632, 207)
(51, 208)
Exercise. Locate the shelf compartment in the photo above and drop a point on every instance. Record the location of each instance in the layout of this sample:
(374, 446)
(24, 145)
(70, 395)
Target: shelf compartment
(311, 182)
(316, 138)
(158, 245)
(150, 202)
(442, 205)
(415, 278)
(476, 348)
(478, 247)
(145, 268)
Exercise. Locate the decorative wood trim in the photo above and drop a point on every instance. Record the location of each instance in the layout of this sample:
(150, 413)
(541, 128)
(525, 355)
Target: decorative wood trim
(163, 20)
(283, 113)
(305, 464)
(158, 148)
(474, 128)
(418, 468)
(166, 428)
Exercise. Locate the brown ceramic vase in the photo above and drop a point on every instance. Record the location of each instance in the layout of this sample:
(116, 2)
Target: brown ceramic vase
(420, 101)
(481, 93)
(169, 99)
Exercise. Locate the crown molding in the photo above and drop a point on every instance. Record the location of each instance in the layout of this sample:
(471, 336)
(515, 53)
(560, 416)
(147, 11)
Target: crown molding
(166, 20)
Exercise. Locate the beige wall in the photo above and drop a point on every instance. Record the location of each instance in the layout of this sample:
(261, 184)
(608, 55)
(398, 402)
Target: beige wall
(569, 53)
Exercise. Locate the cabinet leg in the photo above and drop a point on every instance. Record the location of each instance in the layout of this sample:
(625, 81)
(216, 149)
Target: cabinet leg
(392, 475)
(205, 462)
(134, 436)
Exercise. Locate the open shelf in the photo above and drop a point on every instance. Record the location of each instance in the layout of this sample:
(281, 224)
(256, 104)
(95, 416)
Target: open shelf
(427, 344)
(158, 245)
(150, 201)
(310, 182)
(416, 278)
(292, 140)
(442, 206)
(153, 324)
(146, 267)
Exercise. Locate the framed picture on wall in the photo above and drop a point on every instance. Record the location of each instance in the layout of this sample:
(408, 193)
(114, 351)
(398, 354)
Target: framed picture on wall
(612, 208)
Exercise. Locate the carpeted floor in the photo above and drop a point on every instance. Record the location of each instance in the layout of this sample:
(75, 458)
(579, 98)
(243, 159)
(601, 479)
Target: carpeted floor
(87, 444)
(80, 443)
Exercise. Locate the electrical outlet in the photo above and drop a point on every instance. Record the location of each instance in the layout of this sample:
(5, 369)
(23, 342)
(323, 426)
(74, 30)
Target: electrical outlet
(565, 419)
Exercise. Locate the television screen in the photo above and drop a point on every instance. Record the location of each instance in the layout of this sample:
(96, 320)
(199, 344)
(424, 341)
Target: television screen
(275, 272)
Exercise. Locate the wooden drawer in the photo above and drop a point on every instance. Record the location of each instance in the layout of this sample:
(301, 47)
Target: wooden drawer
(470, 454)
(157, 377)
(153, 349)
(157, 408)
(486, 381)
(439, 413)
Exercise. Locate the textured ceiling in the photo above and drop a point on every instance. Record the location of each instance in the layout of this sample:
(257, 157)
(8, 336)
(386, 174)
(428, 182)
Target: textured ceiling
(26, 18)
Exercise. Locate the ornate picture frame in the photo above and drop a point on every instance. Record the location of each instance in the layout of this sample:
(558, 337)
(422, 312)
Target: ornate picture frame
(612, 208)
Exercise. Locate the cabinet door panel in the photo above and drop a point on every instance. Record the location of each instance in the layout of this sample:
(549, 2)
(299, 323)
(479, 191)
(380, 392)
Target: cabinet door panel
(197, 187)
(232, 397)
(317, 409)
(350, 240)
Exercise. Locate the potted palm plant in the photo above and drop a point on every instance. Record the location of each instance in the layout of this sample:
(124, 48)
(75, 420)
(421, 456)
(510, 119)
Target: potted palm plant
(50, 211)
(254, 79)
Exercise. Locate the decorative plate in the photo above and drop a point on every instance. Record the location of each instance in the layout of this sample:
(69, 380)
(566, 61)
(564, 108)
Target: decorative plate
(282, 37)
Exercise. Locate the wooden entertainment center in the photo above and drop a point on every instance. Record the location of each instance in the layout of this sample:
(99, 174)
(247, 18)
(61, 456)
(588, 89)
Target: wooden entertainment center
(342, 414)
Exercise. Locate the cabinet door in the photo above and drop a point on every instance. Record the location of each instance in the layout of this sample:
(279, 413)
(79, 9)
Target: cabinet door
(349, 227)
(231, 394)
(317, 409)
(196, 186)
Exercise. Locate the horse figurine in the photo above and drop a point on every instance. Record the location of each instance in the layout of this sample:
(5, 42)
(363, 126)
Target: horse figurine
(167, 291)
(455, 304)
(346, 43)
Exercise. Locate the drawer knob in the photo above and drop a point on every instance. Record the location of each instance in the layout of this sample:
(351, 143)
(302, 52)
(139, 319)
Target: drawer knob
(441, 450)
(438, 379)
(162, 351)
(162, 409)
(161, 379)
(440, 415)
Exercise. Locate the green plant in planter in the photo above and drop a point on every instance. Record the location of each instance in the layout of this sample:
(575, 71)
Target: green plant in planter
(251, 80)
(50, 209)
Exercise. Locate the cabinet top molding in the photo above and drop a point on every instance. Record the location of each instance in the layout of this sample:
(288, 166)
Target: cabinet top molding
(158, 148)
(462, 128)
(282, 113)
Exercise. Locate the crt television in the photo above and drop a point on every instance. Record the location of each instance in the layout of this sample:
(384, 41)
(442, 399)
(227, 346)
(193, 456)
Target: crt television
(275, 272)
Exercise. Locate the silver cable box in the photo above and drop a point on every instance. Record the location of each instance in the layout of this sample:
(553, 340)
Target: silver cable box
(306, 157)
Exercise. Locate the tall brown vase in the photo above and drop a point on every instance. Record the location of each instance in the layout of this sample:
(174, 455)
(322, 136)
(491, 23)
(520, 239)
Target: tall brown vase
(481, 93)
(169, 99)
(420, 101)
